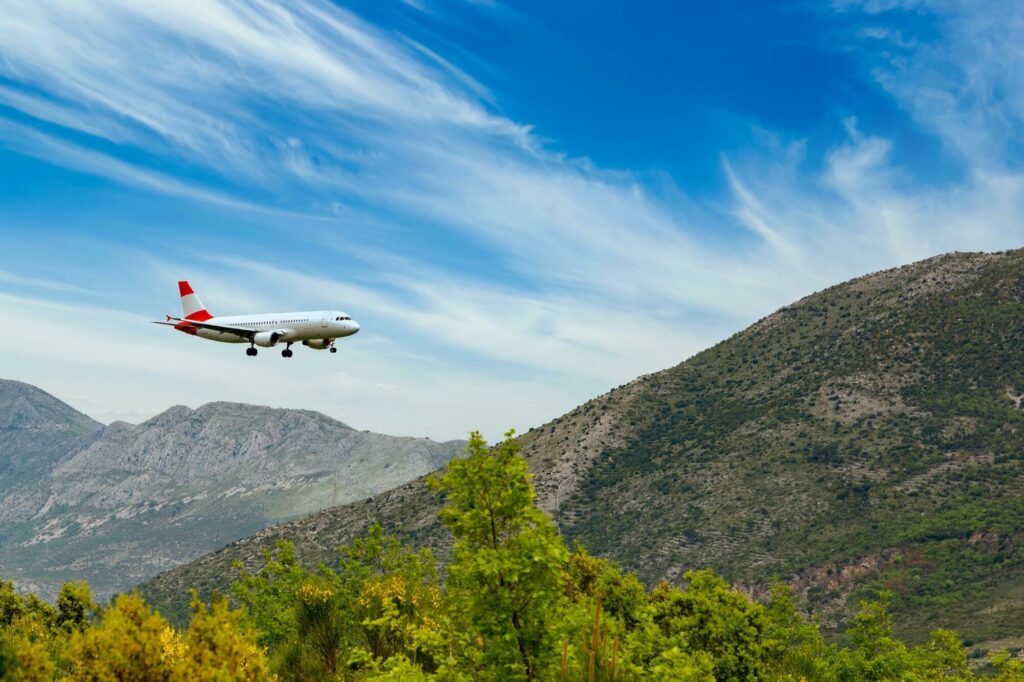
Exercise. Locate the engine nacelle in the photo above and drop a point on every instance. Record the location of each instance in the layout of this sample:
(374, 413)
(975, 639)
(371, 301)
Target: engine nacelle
(268, 339)
(318, 344)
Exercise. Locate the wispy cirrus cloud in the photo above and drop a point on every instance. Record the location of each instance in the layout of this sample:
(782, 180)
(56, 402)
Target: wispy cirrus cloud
(591, 275)
(963, 79)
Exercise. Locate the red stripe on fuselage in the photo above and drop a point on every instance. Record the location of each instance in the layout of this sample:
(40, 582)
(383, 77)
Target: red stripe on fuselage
(185, 327)
(200, 316)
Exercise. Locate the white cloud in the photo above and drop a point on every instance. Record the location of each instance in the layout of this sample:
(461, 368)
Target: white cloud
(967, 86)
(250, 103)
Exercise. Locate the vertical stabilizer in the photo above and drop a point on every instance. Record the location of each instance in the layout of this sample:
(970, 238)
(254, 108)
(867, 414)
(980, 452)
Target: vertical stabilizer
(191, 307)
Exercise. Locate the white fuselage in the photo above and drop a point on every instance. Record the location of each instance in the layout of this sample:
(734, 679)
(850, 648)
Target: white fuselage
(282, 327)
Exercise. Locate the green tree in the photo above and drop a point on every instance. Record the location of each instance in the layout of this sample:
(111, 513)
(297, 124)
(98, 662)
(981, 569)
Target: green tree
(75, 606)
(623, 596)
(24, 659)
(383, 601)
(710, 617)
(269, 594)
(1008, 668)
(942, 657)
(874, 653)
(12, 605)
(316, 651)
(795, 648)
(505, 578)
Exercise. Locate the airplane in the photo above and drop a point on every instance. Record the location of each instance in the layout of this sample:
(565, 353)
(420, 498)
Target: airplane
(317, 329)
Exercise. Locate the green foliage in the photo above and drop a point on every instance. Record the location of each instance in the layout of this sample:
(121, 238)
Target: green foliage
(270, 594)
(1008, 669)
(382, 602)
(796, 648)
(515, 605)
(711, 617)
(874, 653)
(505, 576)
(942, 657)
(75, 606)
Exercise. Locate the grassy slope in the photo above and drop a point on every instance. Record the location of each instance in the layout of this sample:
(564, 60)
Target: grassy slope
(858, 439)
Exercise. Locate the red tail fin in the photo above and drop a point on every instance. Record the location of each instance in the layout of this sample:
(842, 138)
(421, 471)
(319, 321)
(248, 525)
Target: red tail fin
(191, 306)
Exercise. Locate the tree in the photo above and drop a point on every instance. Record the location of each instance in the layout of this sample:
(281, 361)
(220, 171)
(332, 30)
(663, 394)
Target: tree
(942, 657)
(218, 646)
(127, 643)
(75, 606)
(269, 595)
(1008, 668)
(623, 596)
(874, 653)
(709, 616)
(24, 659)
(794, 646)
(505, 577)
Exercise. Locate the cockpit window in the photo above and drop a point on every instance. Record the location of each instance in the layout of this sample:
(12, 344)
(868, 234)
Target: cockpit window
(343, 317)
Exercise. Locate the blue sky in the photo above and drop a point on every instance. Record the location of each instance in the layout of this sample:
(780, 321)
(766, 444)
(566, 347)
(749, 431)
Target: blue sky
(523, 204)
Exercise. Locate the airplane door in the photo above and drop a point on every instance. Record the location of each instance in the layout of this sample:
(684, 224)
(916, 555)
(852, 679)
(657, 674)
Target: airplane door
(323, 320)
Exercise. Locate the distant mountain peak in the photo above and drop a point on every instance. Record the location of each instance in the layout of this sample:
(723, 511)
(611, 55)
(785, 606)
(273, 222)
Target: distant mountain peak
(24, 406)
(171, 415)
(238, 411)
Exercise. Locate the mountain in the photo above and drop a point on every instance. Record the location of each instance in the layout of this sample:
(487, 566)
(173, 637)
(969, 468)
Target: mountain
(118, 504)
(37, 432)
(866, 437)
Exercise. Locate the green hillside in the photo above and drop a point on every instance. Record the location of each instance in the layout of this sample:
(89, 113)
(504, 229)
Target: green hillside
(865, 437)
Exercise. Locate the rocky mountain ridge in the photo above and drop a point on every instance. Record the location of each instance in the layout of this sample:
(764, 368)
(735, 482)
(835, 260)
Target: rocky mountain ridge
(116, 504)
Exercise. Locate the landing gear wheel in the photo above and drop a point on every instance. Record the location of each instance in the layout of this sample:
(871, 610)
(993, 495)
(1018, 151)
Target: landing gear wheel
(286, 353)
(250, 351)
(333, 349)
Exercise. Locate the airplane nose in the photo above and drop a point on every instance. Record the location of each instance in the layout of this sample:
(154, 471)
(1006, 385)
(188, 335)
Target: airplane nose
(355, 326)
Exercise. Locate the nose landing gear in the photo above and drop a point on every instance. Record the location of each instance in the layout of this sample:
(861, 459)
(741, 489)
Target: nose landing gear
(333, 349)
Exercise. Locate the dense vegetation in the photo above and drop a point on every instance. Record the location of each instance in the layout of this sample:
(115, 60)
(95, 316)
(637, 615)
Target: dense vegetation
(515, 604)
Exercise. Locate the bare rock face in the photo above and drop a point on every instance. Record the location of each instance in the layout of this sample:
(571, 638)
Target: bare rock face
(117, 504)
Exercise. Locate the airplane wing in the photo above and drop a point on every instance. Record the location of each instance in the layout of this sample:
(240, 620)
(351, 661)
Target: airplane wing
(174, 321)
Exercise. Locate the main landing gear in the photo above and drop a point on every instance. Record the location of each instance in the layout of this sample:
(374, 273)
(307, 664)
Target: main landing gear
(250, 351)
(333, 349)
(287, 352)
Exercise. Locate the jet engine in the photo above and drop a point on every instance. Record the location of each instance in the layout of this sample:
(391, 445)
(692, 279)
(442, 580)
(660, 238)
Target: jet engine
(318, 344)
(267, 339)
